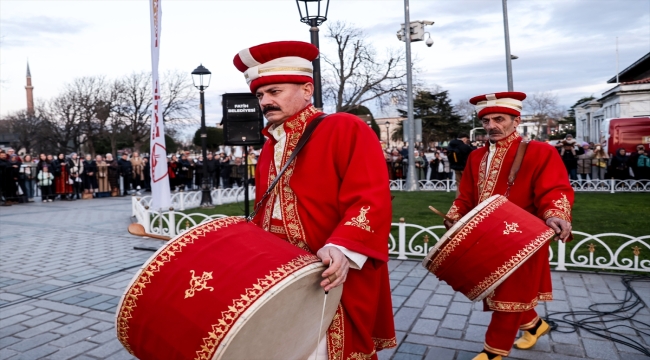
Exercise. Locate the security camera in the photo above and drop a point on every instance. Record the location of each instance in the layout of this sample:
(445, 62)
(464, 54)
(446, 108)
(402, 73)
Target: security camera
(429, 42)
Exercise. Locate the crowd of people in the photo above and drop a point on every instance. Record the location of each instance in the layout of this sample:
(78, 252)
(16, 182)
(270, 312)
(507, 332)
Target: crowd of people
(71, 177)
(589, 161)
(437, 163)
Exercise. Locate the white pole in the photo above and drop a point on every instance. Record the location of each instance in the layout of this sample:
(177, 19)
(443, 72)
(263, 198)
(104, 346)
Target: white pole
(507, 38)
(617, 60)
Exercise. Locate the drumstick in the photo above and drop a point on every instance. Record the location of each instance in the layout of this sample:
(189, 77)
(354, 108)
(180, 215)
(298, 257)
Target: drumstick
(437, 212)
(138, 230)
(322, 316)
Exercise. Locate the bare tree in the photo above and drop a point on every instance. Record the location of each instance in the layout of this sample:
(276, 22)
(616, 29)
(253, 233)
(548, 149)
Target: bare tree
(357, 74)
(62, 123)
(89, 94)
(543, 106)
(134, 105)
(25, 127)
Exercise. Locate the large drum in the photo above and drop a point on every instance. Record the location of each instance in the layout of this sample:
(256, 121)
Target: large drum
(226, 290)
(484, 247)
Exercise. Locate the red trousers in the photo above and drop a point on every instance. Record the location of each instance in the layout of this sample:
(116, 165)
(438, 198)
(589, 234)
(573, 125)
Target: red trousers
(503, 329)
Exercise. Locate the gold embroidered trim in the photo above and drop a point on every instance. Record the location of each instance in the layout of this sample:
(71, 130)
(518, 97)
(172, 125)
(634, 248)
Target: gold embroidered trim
(336, 336)
(361, 356)
(381, 344)
(171, 250)
(529, 325)
(495, 350)
(465, 230)
(514, 262)
(562, 210)
(507, 306)
(511, 228)
(198, 283)
(250, 295)
(453, 212)
(278, 230)
(361, 221)
(487, 184)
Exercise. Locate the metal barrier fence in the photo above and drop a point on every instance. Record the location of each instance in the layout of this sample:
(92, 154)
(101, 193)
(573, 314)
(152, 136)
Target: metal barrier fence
(609, 251)
(611, 185)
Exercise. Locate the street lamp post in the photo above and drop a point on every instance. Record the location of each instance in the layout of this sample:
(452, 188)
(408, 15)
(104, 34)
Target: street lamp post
(310, 14)
(509, 57)
(411, 32)
(201, 78)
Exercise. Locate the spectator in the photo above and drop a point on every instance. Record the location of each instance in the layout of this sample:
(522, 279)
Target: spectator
(113, 174)
(103, 186)
(17, 194)
(599, 163)
(634, 157)
(138, 171)
(458, 150)
(252, 163)
(420, 166)
(619, 167)
(62, 181)
(570, 159)
(76, 169)
(45, 179)
(183, 175)
(224, 165)
(89, 177)
(198, 173)
(237, 172)
(126, 171)
(146, 169)
(172, 171)
(212, 167)
(569, 140)
(8, 176)
(191, 173)
(27, 177)
(397, 161)
(584, 162)
(642, 171)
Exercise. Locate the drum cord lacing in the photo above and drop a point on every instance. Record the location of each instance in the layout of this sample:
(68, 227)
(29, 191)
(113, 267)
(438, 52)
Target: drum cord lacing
(596, 321)
(69, 286)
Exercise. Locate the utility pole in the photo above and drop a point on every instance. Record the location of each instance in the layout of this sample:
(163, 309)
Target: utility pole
(507, 36)
(411, 183)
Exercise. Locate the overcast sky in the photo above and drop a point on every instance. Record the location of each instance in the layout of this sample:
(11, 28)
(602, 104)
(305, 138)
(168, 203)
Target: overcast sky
(564, 46)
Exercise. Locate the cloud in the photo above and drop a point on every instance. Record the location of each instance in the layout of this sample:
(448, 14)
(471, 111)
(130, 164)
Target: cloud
(25, 31)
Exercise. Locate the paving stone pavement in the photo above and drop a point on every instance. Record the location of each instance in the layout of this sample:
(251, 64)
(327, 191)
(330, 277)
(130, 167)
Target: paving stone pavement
(64, 265)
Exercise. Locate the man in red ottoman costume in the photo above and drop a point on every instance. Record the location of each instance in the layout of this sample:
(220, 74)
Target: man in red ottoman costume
(332, 201)
(541, 188)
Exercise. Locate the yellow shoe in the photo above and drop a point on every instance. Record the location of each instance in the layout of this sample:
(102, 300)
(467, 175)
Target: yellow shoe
(483, 356)
(529, 340)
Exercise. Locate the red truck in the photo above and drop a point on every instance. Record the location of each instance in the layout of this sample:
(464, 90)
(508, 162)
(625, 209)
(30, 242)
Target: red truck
(625, 133)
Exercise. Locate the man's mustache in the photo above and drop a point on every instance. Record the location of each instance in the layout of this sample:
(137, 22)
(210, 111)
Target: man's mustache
(270, 108)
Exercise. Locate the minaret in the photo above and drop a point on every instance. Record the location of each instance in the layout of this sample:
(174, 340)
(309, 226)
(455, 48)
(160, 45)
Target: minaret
(30, 92)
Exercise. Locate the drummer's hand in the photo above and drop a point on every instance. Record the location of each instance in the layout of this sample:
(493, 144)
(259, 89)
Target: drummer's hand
(561, 227)
(338, 265)
(448, 224)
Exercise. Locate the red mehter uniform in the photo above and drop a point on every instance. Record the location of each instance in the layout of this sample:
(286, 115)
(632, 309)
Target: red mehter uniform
(335, 193)
(541, 188)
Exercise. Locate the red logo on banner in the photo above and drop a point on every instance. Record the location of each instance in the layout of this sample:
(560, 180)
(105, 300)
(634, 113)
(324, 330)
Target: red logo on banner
(158, 162)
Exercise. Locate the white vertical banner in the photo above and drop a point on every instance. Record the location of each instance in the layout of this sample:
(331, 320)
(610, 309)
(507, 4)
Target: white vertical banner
(160, 193)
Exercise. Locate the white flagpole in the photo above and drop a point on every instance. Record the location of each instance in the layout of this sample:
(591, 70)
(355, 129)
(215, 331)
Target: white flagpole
(160, 193)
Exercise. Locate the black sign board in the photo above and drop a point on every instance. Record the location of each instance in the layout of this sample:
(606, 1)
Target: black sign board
(242, 119)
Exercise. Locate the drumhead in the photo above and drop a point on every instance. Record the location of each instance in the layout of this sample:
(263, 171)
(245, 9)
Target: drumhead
(284, 322)
(454, 229)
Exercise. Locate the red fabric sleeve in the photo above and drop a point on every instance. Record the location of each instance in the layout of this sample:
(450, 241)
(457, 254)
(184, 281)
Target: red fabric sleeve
(364, 197)
(553, 193)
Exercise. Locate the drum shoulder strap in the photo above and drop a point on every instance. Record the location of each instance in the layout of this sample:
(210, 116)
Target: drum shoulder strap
(519, 158)
(303, 140)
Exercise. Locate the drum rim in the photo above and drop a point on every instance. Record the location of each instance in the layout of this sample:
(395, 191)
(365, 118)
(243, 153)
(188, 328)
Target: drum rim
(244, 317)
(146, 264)
(455, 228)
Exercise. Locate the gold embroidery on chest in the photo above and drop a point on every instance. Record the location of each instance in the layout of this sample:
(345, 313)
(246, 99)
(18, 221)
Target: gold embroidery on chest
(198, 283)
(361, 221)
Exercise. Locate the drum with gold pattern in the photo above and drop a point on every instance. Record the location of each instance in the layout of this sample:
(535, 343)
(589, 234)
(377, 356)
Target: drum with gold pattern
(225, 289)
(485, 246)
